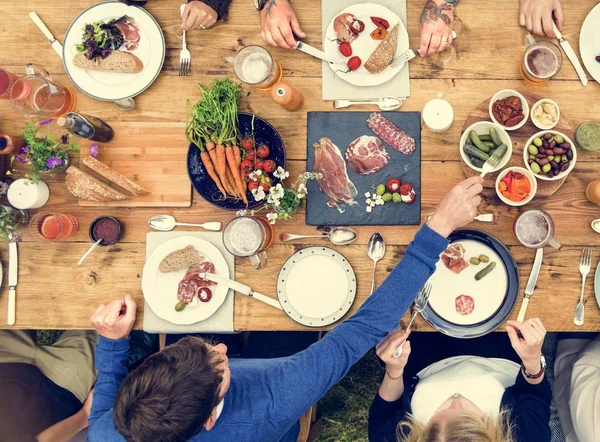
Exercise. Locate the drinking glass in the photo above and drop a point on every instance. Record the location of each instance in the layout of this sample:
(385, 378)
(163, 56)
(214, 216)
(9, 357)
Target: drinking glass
(37, 94)
(249, 237)
(254, 66)
(535, 229)
(48, 226)
(542, 60)
(7, 79)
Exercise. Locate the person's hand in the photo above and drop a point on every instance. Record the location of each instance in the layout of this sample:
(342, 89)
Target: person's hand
(87, 405)
(278, 24)
(458, 207)
(537, 16)
(394, 367)
(529, 347)
(435, 26)
(115, 319)
(198, 15)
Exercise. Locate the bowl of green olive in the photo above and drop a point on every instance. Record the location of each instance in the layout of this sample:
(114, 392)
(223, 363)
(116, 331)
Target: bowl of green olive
(550, 155)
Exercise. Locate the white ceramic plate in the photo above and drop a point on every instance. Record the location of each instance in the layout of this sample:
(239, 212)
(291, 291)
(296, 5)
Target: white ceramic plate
(597, 284)
(160, 289)
(364, 45)
(589, 42)
(316, 286)
(488, 293)
(112, 86)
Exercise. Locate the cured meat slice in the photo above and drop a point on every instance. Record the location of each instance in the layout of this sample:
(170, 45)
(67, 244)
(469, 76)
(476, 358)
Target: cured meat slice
(391, 134)
(194, 271)
(131, 34)
(335, 182)
(465, 304)
(453, 258)
(367, 155)
(341, 26)
(188, 289)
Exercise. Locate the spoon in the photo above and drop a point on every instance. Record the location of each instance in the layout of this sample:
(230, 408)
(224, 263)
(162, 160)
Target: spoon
(596, 225)
(90, 250)
(166, 223)
(339, 236)
(384, 103)
(376, 251)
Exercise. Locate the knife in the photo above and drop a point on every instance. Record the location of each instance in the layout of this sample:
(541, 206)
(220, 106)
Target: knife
(535, 272)
(308, 49)
(240, 288)
(53, 41)
(571, 55)
(13, 270)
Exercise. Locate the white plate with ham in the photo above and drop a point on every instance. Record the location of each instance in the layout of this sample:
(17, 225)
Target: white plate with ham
(143, 38)
(164, 290)
(463, 305)
(344, 28)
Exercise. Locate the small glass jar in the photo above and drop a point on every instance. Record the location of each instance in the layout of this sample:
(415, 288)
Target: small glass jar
(587, 136)
(61, 168)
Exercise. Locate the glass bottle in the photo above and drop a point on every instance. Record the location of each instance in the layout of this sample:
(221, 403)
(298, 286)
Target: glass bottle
(86, 126)
(592, 192)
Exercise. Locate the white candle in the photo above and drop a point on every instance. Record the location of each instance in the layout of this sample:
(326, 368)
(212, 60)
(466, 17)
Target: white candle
(24, 194)
(438, 115)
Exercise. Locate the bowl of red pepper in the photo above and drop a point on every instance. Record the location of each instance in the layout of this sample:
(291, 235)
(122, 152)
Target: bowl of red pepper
(516, 186)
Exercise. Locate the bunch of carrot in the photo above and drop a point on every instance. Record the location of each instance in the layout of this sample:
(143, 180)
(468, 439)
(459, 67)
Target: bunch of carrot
(213, 127)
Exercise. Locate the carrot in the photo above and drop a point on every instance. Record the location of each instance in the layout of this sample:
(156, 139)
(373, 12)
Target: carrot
(231, 182)
(238, 159)
(235, 171)
(221, 165)
(210, 168)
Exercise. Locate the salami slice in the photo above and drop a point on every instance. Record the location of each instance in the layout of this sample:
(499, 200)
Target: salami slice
(464, 305)
(188, 288)
(391, 134)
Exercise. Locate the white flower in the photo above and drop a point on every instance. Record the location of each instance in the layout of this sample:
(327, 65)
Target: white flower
(281, 173)
(277, 191)
(302, 188)
(255, 176)
(258, 194)
(272, 217)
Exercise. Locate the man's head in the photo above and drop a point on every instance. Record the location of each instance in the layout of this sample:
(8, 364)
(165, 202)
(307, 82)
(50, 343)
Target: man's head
(174, 393)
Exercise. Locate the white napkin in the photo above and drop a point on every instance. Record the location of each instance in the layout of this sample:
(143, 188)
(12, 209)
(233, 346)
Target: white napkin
(336, 88)
(222, 320)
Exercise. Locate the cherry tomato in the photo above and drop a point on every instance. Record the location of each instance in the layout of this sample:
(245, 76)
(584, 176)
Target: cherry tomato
(393, 184)
(263, 151)
(253, 185)
(247, 166)
(346, 49)
(357, 27)
(265, 183)
(354, 63)
(405, 188)
(247, 142)
(259, 164)
(250, 155)
(270, 166)
(204, 294)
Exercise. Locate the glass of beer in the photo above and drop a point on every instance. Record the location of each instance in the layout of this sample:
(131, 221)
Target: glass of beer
(254, 66)
(535, 229)
(249, 237)
(542, 61)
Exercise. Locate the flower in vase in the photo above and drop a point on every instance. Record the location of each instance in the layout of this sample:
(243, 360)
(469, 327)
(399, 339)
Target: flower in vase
(302, 190)
(53, 162)
(21, 159)
(272, 217)
(94, 150)
(281, 173)
(258, 194)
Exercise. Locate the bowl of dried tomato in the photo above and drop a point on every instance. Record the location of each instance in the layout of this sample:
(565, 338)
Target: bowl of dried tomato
(509, 109)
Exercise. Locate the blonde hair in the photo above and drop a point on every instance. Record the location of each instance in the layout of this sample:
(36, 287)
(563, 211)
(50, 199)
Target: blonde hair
(462, 427)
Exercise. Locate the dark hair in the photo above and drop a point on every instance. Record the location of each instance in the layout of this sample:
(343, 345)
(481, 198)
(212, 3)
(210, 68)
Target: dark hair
(171, 395)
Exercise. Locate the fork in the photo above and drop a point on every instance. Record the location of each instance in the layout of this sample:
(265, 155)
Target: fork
(408, 55)
(585, 266)
(185, 58)
(491, 163)
(420, 304)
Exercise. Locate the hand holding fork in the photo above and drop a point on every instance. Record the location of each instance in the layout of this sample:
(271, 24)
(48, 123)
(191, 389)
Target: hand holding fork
(420, 304)
(185, 58)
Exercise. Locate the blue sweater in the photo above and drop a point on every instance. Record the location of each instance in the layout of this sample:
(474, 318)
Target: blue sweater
(267, 397)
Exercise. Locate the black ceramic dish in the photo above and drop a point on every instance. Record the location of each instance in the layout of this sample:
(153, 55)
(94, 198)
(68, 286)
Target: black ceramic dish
(512, 291)
(119, 231)
(204, 185)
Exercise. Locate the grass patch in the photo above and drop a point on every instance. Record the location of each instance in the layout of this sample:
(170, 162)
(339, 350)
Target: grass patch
(345, 408)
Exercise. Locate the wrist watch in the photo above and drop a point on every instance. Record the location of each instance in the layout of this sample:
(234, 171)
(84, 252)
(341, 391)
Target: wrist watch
(259, 4)
(537, 375)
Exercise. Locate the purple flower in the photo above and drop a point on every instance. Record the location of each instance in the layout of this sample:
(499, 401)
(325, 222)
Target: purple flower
(21, 159)
(45, 122)
(94, 150)
(24, 149)
(53, 162)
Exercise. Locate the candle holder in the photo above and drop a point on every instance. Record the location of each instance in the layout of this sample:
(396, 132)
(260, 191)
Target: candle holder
(25, 194)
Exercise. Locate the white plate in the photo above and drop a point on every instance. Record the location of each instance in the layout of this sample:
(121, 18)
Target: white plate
(488, 293)
(589, 42)
(160, 289)
(316, 286)
(364, 45)
(111, 86)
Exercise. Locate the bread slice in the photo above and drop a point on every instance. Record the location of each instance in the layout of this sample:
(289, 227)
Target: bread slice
(117, 61)
(383, 55)
(180, 260)
(86, 187)
(112, 175)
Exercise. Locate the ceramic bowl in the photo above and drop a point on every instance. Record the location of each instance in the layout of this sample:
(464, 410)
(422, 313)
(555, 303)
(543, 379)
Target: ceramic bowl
(561, 174)
(483, 127)
(501, 95)
(538, 123)
(532, 183)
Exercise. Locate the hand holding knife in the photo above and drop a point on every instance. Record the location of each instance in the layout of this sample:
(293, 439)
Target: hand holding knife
(535, 272)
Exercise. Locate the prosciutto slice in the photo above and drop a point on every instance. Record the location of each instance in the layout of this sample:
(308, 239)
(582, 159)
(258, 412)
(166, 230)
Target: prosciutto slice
(453, 258)
(335, 182)
(131, 34)
(341, 26)
(194, 271)
(366, 155)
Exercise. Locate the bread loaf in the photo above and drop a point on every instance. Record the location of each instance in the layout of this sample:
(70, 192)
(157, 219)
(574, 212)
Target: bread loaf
(383, 55)
(86, 187)
(180, 260)
(117, 61)
(112, 175)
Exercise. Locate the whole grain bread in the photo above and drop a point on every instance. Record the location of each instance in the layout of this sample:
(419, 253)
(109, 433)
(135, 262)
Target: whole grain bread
(86, 187)
(117, 61)
(112, 175)
(383, 55)
(180, 260)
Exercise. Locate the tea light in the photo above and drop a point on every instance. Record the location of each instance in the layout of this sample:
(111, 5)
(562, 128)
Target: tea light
(24, 194)
(438, 115)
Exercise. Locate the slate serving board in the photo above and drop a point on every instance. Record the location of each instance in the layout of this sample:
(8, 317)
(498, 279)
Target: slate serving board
(343, 128)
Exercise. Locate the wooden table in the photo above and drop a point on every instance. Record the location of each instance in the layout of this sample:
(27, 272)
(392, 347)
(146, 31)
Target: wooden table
(54, 292)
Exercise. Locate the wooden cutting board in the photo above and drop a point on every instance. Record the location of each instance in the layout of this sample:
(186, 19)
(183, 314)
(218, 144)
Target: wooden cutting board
(518, 137)
(154, 155)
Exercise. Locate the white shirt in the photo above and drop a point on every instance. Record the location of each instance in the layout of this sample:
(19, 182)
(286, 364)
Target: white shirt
(480, 380)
